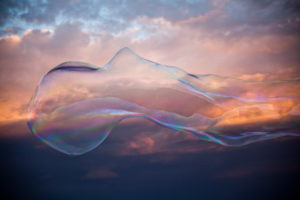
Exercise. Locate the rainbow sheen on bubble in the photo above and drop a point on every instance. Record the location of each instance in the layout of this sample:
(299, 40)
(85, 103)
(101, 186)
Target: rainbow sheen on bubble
(76, 105)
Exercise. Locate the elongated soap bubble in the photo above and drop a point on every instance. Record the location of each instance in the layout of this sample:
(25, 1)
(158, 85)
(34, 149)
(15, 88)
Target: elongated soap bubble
(76, 105)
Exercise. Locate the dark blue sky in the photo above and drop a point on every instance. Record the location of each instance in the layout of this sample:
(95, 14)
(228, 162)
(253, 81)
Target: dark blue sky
(265, 170)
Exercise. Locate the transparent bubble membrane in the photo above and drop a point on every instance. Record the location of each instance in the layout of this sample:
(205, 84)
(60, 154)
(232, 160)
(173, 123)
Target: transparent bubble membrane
(76, 105)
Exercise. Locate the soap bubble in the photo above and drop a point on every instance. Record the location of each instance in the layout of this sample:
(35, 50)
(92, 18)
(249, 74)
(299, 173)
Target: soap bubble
(76, 104)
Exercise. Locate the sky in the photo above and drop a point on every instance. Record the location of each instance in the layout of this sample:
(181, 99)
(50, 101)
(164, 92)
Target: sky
(251, 40)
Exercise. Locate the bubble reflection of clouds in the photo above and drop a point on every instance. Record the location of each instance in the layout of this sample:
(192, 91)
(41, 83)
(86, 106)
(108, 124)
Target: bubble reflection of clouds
(76, 105)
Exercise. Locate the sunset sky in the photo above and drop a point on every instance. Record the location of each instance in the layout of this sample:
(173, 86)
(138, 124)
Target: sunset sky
(251, 40)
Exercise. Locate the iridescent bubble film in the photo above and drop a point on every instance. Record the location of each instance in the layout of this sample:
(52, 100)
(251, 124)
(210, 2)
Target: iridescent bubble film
(76, 105)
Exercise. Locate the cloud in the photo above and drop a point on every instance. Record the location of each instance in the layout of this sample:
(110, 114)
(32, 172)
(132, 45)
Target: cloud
(253, 77)
(111, 15)
(14, 129)
(11, 31)
(238, 19)
(9, 9)
(229, 19)
(38, 50)
(143, 137)
(214, 40)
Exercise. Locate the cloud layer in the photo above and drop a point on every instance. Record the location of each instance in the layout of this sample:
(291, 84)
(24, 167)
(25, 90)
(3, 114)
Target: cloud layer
(256, 40)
